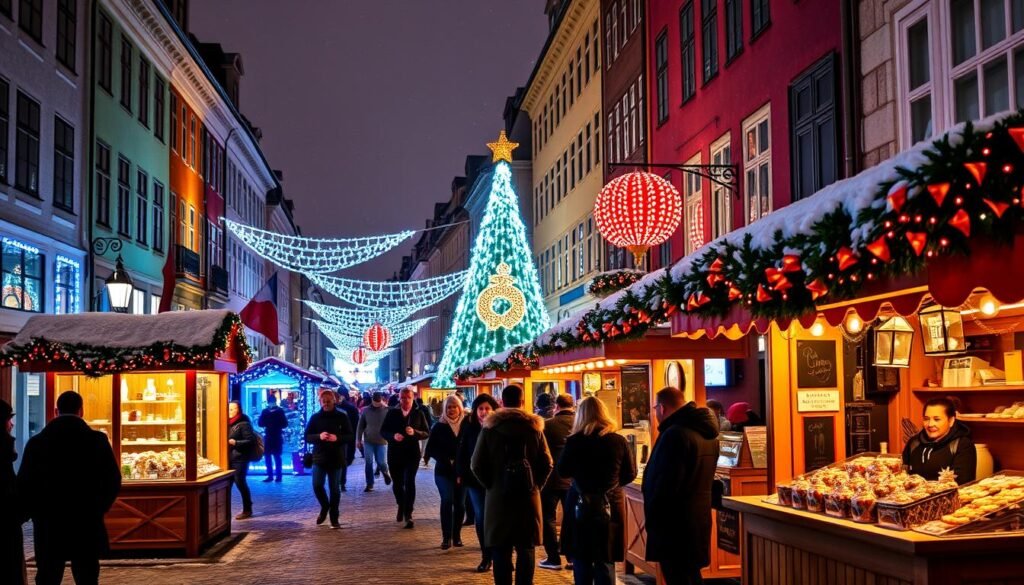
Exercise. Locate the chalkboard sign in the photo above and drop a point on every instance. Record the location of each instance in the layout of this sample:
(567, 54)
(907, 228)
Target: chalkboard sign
(819, 442)
(728, 523)
(636, 395)
(815, 364)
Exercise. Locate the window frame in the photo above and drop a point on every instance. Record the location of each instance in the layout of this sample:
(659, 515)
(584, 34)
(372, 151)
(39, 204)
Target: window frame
(23, 275)
(30, 19)
(757, 161)
(27, 144)
(124, 196)
(144, 84)
(721, 196)
(661, 74)
(71, 290)
(141, 207)
(5, 126)
(693, 205)
(127, 52)
(105, 53)
(733, 29)
(687, 52)
(757, 27)
(158, 216)
(159, 107)
(709, 40)
(63, 164)
(67, 33)
(103, 180)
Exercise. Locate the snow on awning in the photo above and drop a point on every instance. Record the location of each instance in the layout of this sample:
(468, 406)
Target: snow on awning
(118, 330)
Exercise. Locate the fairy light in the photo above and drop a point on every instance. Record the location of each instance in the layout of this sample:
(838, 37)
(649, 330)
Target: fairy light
(358, 318)
(411, 295)
(342, 337)
(638, 211)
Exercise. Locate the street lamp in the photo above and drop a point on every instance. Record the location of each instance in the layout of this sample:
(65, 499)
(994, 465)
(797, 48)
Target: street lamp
(119, 288)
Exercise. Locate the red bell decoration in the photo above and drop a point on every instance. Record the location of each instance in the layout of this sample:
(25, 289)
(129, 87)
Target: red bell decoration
(845, 258)
(791, 263)
(917, 240)
(637, 211)
(817, 289)
(998, 207)
(1018, 136)
(762, 295)
(880, 248)
(977, 170)
(939, 192)
(734, 293)
(377, 337)
(359, 356)
(962, 222)
(897, 198)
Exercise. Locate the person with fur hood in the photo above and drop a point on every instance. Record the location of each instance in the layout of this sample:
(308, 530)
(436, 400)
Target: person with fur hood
(512, 462)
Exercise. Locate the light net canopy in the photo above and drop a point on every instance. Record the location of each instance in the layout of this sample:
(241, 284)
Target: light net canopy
(410, 295)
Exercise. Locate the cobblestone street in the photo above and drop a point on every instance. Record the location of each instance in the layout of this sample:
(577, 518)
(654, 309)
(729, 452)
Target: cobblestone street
(282, 545)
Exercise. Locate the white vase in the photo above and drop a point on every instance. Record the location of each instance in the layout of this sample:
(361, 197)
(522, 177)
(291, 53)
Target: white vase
(986, 465)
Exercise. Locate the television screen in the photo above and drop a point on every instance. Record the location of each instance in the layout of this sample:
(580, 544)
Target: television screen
(716, 373)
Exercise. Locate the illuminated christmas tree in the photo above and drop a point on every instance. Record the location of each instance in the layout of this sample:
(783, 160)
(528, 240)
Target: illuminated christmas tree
(501, 304)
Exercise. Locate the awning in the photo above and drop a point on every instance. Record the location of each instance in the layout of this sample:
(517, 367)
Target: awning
(656, 344)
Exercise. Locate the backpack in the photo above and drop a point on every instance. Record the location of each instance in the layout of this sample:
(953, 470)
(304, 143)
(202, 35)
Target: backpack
(257, 448)
(517, 475)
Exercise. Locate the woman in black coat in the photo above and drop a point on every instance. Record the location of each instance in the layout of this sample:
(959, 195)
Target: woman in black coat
(483, 405)
(241, 441)
(599, 462)
(442, 447)
(12, 559)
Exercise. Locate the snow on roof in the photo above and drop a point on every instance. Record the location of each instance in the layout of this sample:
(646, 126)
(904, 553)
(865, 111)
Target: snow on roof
(117, 330)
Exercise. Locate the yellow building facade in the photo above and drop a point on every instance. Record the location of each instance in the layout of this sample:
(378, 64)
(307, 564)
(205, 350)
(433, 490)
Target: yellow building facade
(563, 99)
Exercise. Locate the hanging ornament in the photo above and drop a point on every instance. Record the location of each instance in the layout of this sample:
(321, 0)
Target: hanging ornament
(715, 275)
(997, 207)
(817, 288)
(791, 263)
(880, 248)
(734, 293)
(962, 222)
(977, 170)
(359, 356)
(502, 286)
(897, 198)
(939, 192)
(1017, 134)
(377, 337)
(917, 240)
(762, 295)
(637, 211)
(845, 258)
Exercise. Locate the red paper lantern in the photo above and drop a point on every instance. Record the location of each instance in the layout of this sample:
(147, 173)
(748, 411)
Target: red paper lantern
(359, 356)
(377, 337)
(637, 211)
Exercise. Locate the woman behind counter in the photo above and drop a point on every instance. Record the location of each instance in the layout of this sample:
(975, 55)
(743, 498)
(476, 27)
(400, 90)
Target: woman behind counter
(944, 442)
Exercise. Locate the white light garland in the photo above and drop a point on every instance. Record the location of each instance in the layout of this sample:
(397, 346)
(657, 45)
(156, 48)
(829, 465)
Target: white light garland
(358, 319)
(314, 255)
(340, 336)
(411, 295)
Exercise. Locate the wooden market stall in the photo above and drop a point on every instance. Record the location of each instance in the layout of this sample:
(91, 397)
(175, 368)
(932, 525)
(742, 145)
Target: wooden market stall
(157, 386)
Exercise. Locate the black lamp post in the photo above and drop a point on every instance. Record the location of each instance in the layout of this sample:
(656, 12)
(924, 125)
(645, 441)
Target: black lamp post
(119, 288)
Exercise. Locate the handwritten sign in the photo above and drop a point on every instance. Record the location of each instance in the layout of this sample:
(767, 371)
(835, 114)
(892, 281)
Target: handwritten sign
(815, 364)
(817, 400)
(728, 523)
(819, 442)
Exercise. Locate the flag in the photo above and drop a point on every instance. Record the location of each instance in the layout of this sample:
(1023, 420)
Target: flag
(260, 314)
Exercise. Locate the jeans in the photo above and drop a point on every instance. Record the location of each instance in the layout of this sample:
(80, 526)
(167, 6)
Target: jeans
(477, 496)
(333, 477)
(593, 572)
(453, 511)
(378, 453)
(679, 573)
(525, 560)
(403, 474)
(549, 501)
(271, 459)
(241, 470)
(86, 571)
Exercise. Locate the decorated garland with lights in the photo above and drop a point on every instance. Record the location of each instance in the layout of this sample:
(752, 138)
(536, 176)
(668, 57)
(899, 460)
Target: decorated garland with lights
(358, 318)
(98, 360)
(410, 295)
(608, 283)
(341, 337)
(932, 202)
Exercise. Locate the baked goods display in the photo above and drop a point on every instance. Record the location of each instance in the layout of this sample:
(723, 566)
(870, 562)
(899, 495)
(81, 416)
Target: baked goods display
(1013, 411)
(168, 464)
(980, 501)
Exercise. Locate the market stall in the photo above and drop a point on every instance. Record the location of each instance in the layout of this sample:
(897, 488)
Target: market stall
(157, 386)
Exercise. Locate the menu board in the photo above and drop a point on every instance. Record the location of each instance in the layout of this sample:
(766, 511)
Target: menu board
(728, 523)
(815, 364)
(636, 395)
(819, 442)
(757, 442)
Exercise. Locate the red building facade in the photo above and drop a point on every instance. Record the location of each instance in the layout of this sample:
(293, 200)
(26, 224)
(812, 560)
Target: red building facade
(754, 83)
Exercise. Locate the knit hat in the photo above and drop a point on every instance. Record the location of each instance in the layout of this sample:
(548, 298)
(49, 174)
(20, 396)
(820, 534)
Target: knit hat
(737, 413)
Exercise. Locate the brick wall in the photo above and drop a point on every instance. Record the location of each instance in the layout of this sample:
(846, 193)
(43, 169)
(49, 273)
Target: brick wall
(879, 123)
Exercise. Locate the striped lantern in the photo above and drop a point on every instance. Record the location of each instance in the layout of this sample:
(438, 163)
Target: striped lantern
(358, 356)
(377, 337)
(637, 211)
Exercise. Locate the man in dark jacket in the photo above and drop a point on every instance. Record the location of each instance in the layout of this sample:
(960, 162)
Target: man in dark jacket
(274, 422)
(68, 481)
(350, 410)
(677, 488)
(511, 440)
(328, 431)
(556, 431)
(404, 427)
(241, 442)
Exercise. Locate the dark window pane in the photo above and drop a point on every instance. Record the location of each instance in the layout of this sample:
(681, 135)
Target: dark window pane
(1018, 73)
(917, 49)
(921, 119)
(962, 22)
(30, 18)
(826, 129)
(997, 87)
(126, 73)
(105, 52)
(5, 116)
(993, 22)
(66, 32)
(1016, 15)
(965, 92)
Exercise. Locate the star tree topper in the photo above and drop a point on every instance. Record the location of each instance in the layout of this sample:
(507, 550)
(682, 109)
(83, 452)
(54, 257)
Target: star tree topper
(502, 149)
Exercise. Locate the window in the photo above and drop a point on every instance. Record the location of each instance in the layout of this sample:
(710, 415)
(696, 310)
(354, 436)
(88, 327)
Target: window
(687, 53)
(138, 302)
(154, 304)
(30, 18)
(158, 216)
(5, 117)
(709, 38)
(721, 197)
(641, 114)
(571, 169)
(143, 91)
(63, 164)
(191, 228)
(757, 158)
(141, 206)
(662, 70)
(26, 170)
(174, 122)
(760, 16)
(579, 155)
(694, 202)
(22, 268)
(587, 149)
(613, 131)
(733, 29)
(126, 73)
(623, 23)
(665, 254)
(67, 19)
(5, 8)
(158, 108)
(184, 133)
(611, 46)
(192, 155)
(597, 138)
(105, 53)
(66, 287)
(124, 194)
(595, 47)
(586, 59)
(102, 184)
(813, 135)
(565, 173)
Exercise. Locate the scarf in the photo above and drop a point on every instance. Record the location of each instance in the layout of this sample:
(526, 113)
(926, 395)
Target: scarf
(234, 419)
(454, 423)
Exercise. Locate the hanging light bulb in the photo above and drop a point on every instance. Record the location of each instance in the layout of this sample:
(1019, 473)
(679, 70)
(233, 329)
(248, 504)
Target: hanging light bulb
(818, 329)
(853, 324)
(988, 305)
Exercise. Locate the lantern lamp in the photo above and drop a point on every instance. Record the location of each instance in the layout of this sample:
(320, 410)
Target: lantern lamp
(893, 340)
(637, 211)
(942, 330)
(377, 337)
(119, 288)
(359, 355)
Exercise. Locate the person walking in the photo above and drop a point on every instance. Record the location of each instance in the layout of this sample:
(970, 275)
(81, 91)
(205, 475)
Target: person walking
(483, 406)
(328, 430)
(442, 447)
(512, 462)
(241, 441)
(677, 488)
(67, 482)
(370, 441)
(429, 415)
(404, 427)
(274, 422)
(346, 406)
(599, 462)
(12, 559)
(556, 431)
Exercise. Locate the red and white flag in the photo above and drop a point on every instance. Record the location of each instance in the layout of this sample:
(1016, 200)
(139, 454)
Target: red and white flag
(260, 314)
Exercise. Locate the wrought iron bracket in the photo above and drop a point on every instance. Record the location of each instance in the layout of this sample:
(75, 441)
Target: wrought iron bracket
(725, 175)
(100, 246)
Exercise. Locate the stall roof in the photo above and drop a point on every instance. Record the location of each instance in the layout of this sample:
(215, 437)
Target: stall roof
(272, 365)
(117, 330)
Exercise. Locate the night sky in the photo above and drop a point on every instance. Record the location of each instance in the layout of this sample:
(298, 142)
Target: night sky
(370, 107)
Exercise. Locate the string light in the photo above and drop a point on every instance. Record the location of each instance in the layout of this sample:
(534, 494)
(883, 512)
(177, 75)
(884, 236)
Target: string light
(411, 295)
(358, 318)
(342, 337)
(314, 255)
(637, 211)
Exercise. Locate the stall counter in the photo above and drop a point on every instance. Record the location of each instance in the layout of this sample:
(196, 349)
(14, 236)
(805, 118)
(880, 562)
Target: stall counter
(781, 546)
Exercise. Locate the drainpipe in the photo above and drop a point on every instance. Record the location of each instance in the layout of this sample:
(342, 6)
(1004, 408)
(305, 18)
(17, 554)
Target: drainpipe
(850, 93)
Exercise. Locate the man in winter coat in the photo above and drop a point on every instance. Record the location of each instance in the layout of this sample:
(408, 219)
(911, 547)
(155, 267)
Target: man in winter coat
(512, 441)
(677, 488)
(350, 410)
(241, 442)
(404, 427)
(556, 431)
(274, 422)
(68, 481)
(328, 430)
(369, 440)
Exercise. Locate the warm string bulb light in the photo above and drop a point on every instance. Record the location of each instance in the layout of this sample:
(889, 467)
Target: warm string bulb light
(853, 324)
(988, 305)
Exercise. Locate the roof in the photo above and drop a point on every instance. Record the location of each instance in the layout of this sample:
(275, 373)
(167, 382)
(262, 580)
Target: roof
(270, 365)
(118, 330)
